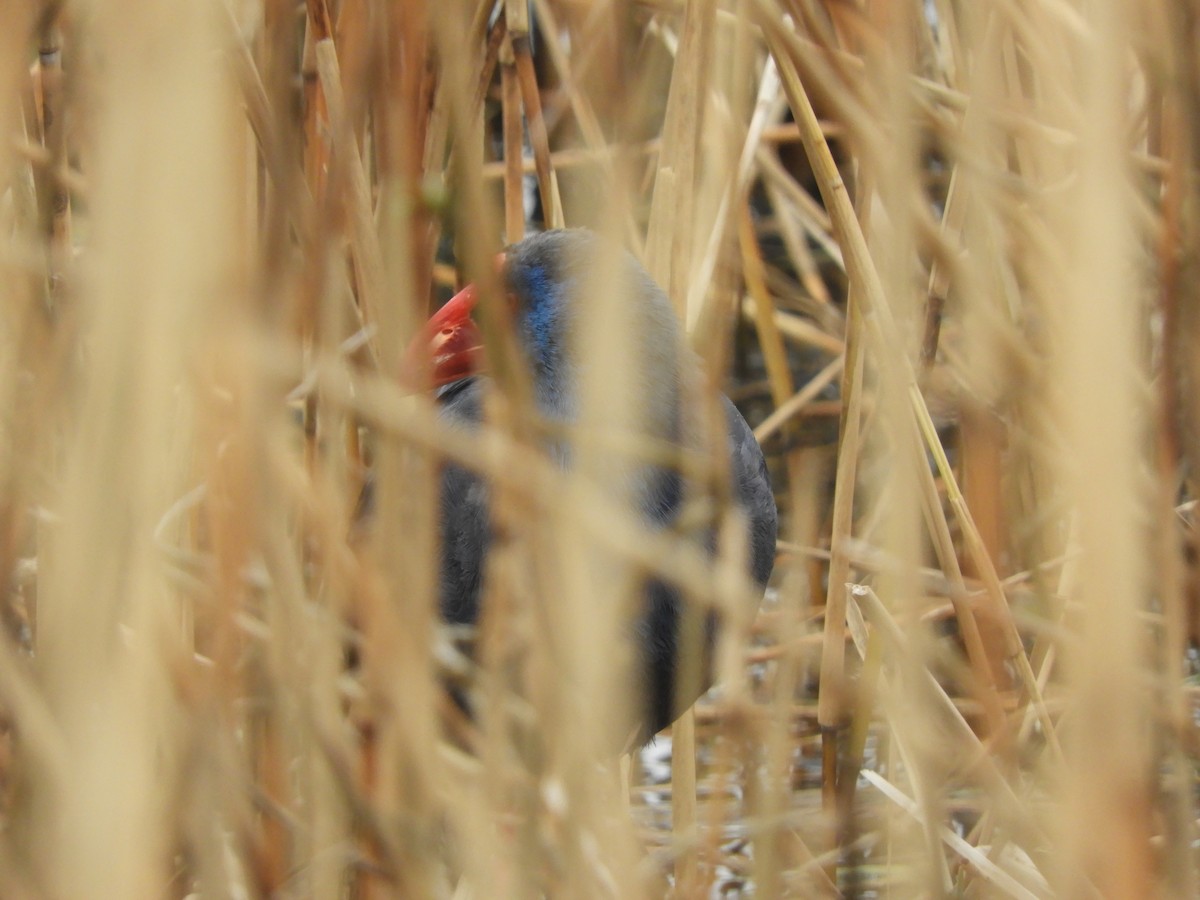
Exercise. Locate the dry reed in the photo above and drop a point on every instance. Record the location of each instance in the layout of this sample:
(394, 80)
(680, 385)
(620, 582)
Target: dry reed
(942, 254)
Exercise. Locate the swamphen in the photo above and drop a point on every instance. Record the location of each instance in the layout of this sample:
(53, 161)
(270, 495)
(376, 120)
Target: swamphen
(543, 277)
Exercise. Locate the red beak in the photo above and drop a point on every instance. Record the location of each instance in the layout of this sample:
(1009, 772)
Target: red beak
(451, 339)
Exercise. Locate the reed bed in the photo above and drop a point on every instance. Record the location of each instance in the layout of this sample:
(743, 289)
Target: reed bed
(944, 257)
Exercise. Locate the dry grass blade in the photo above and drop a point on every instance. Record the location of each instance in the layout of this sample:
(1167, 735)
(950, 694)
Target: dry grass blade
(795, 404)
(988, 869)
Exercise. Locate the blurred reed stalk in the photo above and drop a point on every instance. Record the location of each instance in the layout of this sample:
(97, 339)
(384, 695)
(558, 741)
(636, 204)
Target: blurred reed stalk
(943, 255)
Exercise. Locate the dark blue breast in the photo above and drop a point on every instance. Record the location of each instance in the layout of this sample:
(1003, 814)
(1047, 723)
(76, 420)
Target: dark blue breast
(466, 537)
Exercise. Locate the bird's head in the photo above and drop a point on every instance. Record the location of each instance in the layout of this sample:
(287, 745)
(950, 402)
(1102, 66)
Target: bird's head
(544, 278)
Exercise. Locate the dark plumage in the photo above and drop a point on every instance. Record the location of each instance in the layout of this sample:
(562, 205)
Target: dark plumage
(543, 275)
